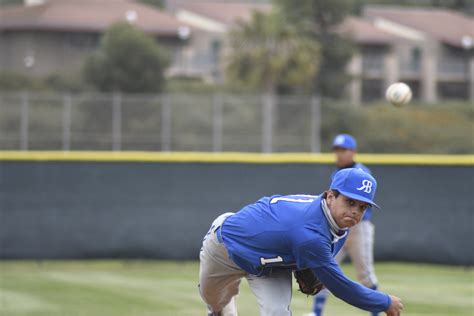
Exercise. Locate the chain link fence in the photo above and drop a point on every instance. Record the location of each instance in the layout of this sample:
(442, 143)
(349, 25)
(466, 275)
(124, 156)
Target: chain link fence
(227, 122)
(168, 122)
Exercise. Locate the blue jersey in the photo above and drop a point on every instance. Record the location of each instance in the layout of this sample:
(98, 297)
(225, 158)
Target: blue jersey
(279, 227)
(368, 212)
(292, 232)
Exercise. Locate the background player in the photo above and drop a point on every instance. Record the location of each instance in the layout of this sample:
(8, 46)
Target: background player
(266, 240)
(360, 242)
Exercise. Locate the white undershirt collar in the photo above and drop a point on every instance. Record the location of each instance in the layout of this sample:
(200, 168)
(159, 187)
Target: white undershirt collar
(336, 231)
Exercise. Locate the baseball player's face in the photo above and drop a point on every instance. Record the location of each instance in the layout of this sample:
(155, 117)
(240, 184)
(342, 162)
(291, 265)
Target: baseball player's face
(344, 157)
(346, 212)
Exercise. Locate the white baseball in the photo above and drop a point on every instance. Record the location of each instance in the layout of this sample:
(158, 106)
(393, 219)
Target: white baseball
(398, 94)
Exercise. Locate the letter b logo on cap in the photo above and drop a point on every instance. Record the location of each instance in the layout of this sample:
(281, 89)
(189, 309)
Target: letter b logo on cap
(366, 186)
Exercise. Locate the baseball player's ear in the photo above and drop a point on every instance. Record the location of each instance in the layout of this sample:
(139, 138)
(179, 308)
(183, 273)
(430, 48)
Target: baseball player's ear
(329, 197)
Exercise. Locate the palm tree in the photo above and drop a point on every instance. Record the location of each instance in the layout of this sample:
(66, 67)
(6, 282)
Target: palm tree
(268, 52)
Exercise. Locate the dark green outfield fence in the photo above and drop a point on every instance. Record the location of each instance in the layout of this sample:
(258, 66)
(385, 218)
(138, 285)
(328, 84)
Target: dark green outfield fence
(136, 205)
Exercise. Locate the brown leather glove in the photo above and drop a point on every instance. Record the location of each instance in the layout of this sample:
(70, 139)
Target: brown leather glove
(308, 282)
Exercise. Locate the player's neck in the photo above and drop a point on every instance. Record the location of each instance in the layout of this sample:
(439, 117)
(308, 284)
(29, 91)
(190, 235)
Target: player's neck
(349, 165)
(336, 231)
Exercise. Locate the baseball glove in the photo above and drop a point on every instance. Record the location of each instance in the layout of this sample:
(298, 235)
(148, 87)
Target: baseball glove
(308, 282)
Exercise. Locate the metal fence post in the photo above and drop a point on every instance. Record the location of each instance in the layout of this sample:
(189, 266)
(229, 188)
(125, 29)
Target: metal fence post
(165, 124)
(116, 121)
(67, 105)
(217, 123)
(267, 122)
(24, 121)
(315, 124)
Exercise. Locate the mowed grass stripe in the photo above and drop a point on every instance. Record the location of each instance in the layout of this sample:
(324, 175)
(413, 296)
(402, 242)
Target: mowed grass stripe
(145, 288)
(79, 299)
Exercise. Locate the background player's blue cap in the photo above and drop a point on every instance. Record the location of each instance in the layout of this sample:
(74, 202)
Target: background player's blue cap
(355, 184)
(345, 141)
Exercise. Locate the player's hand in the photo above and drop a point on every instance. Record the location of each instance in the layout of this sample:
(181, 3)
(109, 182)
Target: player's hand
(396, 307)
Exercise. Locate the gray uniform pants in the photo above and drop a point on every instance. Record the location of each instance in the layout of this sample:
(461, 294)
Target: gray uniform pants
(219, 280)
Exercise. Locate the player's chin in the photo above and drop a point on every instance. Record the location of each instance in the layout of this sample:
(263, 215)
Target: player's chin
(349, 222)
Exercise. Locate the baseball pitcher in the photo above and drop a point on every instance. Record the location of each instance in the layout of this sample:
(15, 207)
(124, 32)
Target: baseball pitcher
(266, 241)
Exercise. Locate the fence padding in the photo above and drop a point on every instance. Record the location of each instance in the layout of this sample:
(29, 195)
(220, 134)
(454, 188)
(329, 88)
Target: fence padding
(67, 209)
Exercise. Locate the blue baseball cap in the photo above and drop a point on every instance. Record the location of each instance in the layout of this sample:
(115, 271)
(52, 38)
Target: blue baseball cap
(345, 141)
(355, 184)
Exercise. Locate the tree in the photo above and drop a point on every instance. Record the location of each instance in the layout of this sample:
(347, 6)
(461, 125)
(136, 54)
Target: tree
(319, 20)
(267, 52)
(459, 5)
(128, 60)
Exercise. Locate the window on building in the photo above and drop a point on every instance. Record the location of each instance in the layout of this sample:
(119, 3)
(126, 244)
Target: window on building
(373, 60)
(415, 88)
(372, 90)
(82, 40)
(215, 51)
(453, 90)
(415, 58)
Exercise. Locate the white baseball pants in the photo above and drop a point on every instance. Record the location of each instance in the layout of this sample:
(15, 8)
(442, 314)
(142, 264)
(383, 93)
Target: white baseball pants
(219, 280)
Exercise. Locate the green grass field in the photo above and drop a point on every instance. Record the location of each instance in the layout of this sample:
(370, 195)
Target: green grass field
(142, 288)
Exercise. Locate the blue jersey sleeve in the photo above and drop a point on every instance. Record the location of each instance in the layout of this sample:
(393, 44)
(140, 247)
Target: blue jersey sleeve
(351, 292)
(313, 254)
(317, 252)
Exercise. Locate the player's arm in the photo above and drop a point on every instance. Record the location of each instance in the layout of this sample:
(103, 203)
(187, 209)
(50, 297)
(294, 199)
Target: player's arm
(351, 292)
(317, 255)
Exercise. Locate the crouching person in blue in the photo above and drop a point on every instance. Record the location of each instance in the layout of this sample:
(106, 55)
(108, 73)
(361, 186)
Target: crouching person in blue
(265, 241)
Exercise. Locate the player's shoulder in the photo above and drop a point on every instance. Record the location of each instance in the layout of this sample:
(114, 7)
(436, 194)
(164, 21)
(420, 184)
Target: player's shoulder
(362, 167)
(315, 228)
(293, 198)
(292, 208)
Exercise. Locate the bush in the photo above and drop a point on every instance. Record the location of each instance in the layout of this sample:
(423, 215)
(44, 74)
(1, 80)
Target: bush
(128, 61)
(10, 81)
(417, 128)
